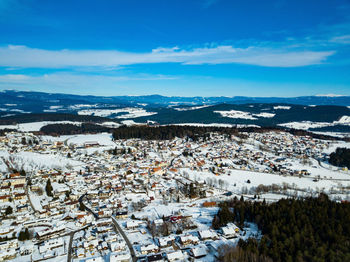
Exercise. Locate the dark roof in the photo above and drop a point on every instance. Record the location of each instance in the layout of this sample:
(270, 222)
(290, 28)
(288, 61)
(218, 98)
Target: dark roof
(157, 257)
(121, 213)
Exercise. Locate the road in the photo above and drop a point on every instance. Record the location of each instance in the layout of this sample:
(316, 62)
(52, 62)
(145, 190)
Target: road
(87, 208)
(30, 201)
(126, 239)
(71, 236)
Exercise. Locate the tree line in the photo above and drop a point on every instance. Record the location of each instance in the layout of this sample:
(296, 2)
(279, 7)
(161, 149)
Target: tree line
(168, 132)
(27, 118)
(311, 229)
(71, 129)
(341, 157)
(196, 132)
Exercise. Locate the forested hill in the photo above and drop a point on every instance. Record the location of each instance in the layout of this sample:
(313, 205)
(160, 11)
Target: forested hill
(311, 229)
(195, 132)
(28, 118)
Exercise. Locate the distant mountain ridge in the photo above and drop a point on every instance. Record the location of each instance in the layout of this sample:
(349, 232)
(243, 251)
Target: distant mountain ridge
(29, 97)
(313, 113)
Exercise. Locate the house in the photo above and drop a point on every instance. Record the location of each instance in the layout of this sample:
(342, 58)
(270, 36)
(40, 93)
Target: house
(117, 246)
(199, 251)
(5, 198)
(207, 234)
(91, 144)
(9, 244)
(5, 189)
(177, 255)
(17, 181)
(120, 257)
(20, 196)
(50, 244)
(154, 258)
(26, 249)
(121, 214)
(209, 204)
(90, 244)
(80, 252)
(230, 231)
(8, 254)
(189, 240)
(95, 259)
(151, 248)
(132, 224)
(166, 241)
(158, 222)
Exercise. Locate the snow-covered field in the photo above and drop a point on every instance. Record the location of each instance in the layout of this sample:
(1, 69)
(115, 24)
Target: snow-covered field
(190, 108)
(35, 126)
(281, 107)
(131, 112)
(305, 125)
(244, 115)
(104, 139)
(30, 161)
(130, 123)
(238, 179)
(266, 115)
(343, 120)
(236, 114)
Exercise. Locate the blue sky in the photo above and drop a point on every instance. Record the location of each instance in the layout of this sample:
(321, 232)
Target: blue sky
(184, 48)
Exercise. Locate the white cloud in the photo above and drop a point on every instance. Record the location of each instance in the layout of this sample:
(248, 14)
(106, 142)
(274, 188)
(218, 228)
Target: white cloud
(343, 39)
(26, 57)
(330, 95)
(73, 81)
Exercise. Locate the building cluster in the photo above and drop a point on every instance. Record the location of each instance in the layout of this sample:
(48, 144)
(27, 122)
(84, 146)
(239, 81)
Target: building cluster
(129, 201)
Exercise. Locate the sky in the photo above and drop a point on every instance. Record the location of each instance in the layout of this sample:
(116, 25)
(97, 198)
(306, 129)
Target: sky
(176, 47)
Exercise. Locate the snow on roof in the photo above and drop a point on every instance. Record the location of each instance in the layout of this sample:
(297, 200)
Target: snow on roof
(149, 247)
(175, 255)
(119, 257)
(117, 245)
(199, 251)
(158, 221)
(189, 238)
(229, 229)
(131, 223)
(206, 234)
(95, 259)
(164, 240)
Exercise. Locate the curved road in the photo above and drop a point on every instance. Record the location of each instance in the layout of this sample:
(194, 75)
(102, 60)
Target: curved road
(126, 239)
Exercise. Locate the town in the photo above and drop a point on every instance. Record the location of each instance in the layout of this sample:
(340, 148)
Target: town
(92, 198)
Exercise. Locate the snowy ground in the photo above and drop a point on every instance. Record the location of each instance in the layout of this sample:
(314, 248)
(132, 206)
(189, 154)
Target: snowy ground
(35, 126)
(30, 161)
(238, 179)
(305, 125)
(130, 112)
(215, 125)
(190, 108)
(281, 107)
(236, 114)
(104, 139)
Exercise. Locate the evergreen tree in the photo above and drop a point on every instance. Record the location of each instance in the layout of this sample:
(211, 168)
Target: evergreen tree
(9, 210)
(81, 206)
(49, 188)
